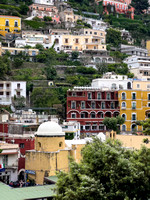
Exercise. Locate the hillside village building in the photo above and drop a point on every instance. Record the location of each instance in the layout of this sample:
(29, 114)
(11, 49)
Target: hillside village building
(51, 152)
(9, 162)
(133, 50)
(10, 26)
(140, 66)
(148, 47)
(9, 89)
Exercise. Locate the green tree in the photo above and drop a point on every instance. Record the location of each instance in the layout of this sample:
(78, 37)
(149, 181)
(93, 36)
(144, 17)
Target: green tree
(113, 37)
(17, 63)
(47, 19)
(41, 97)
(140, 5)
(50, 73)
(146, 126)
(107, 171)
(4, 67)
(112, 123)
(74, 55)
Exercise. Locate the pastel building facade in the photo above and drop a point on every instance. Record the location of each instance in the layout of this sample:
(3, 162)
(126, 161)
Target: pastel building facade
(134, 106)
(9, 89)
(51, 152)
(148, 47)
(9, 24)
(8, 162)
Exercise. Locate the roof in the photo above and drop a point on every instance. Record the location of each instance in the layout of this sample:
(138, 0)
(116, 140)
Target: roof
(26, 192)
(5, 16)
(50, 128)
(51, 179)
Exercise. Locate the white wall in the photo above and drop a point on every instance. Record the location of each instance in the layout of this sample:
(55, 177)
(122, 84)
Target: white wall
(46, 2)
(22, 88)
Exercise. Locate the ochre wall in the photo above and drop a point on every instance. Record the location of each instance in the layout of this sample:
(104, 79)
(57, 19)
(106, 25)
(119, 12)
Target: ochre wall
(133, 141)
(49, 143)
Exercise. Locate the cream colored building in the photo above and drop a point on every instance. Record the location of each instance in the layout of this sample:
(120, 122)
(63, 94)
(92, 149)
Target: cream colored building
(82, 43)
(140, 85)
(69, 16)
(148, 47)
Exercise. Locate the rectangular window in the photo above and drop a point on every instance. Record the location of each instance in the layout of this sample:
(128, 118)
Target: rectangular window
(18, 93)
(33, 53)
(7, 93)
(87, 127)
(138, 85)
(133, 96)
(112, 105)
(73, 115)
(148, 96)
(66, 40)
(7, 23)
(1, 93)
(21, 145)
(16, 24)
(95, 33)
(89, 96)
(86, 40)
(94, 127)
(76, 41)
(5, 160)
(7, 85)
(133, 105)
(103, 105)
(18, 85)
(82, 115)
(101, 127)
(73, 105)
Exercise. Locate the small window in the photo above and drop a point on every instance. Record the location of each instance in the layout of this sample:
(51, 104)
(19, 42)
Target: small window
(1, 93)
(95, 33)
(138, 85)
(73, 105)
(39, 144)
(18, 85)
(18, 93)
(7, 23)
(99, 95)
(103, 105)
(89, 95)
(148, 96)
(124, 116)
(66, 40)
(123, 96)
(82, 115)
(86, 40)
(73, 115)
(123, 127)
(108, 96)
(133, 116)
(93, 115)
(112, 105)
(82, 105)
(93, 105)
(133, 96)
(60, 144)
(16, 24)
(133, 105)
(77, 41)
(123, 105)
(21, 145)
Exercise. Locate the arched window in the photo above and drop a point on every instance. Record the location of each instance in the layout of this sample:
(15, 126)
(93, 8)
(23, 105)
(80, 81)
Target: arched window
(123, 97)
(103, 105)
(123, 106)
(123, 127)
(89, 95)
(60, 144)
(124, 116)
(133, 127)
(129, 85)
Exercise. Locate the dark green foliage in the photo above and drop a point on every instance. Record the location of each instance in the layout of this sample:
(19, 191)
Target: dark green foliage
(140, 6)
(4, 67)
(17, 63)
(50, 73)
(78, 80)
(86, 70)
(146, 126)
(107, 171)
(24, 9)
(69, 136)
(47, 19)
(34, 24)
(74, 55)
(41, 97)
(113, 122)
(113, 37)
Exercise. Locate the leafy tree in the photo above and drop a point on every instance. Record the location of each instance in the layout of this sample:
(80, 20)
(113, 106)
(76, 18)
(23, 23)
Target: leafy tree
(50, 72)
(40, 47)
(19, 102)
(146, 126)
(113, 122)
(41, 97)
(102, 68)
(47, 19)
(4, 66)
(74, 55)
(17, 62)
(24, 9)
(107, 171)
(140, 5)
(113, 37)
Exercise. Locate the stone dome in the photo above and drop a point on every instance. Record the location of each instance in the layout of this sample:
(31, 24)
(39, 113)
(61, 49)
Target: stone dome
(49, 129)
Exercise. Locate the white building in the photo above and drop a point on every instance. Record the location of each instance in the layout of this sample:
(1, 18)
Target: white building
(46, 2)
(95, 23)
(140, 66)
(9, 89)
(133, 50)
(31, 116)
(72, 127)
(9, 162)
(112, 81)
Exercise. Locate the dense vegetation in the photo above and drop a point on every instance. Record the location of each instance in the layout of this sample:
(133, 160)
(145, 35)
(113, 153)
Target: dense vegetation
(107, 171)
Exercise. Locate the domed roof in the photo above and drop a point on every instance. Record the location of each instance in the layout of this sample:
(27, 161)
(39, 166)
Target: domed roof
(49, 128)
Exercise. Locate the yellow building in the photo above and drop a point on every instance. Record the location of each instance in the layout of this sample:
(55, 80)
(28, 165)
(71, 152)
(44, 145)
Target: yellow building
(82, 43)
(9, 24)
(134, 106)
(51, 153)
(148, 47)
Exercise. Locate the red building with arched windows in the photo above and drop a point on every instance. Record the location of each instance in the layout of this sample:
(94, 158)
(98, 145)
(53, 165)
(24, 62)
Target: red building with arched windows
(90, 106)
